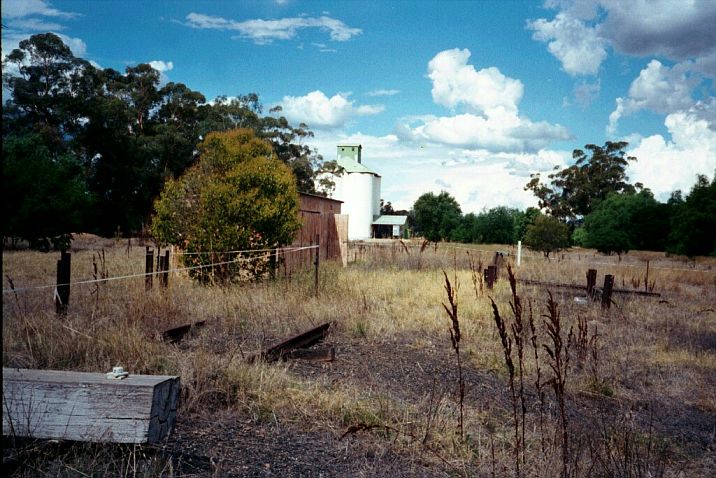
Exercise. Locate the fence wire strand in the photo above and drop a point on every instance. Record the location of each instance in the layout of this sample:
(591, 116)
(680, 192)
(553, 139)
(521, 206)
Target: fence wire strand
(145, 274)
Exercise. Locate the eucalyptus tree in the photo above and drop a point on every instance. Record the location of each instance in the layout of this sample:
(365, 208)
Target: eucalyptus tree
(573, 192)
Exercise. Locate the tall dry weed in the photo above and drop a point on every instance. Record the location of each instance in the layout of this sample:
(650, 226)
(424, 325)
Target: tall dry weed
(558, 351)
(455, 336)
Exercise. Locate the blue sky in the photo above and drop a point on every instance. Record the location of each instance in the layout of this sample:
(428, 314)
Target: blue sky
(466, 97)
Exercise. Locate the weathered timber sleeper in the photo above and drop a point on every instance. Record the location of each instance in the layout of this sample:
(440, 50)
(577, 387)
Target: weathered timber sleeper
(305, 340)
(52, 404)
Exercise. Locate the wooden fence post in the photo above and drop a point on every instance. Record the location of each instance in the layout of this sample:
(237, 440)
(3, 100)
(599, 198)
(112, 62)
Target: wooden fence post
(62, 293)
(317, 262)
(164, 275)
(167, 267)
(490, 274)
(591, 281)
(148, 268)
(273, 263)
(607, 291)
(498, 264)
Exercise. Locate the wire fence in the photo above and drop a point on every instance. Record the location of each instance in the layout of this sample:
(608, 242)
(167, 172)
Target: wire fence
(240, 259)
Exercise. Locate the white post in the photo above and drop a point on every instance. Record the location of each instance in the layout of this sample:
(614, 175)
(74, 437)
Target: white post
(519, 253)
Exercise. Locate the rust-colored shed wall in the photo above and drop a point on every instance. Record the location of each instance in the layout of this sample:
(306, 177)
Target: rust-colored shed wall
(318, 219)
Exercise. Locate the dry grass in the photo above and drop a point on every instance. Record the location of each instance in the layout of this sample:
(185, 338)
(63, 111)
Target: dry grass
(639, 401)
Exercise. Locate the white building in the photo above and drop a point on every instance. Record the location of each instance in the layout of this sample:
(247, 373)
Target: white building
(359, 189)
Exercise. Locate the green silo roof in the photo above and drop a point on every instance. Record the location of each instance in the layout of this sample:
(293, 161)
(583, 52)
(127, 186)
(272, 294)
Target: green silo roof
(353, 166)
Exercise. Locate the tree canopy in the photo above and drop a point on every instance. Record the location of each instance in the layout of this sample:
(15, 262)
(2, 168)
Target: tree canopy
(46, 199)
(575, 191)
(436, 216)
(693, 222)
(499, 225)
(627, 221)
(547, 234)
(237, 197)
(126, 131)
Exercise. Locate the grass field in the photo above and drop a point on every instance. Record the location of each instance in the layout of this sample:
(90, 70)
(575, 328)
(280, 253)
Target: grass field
(631, 392)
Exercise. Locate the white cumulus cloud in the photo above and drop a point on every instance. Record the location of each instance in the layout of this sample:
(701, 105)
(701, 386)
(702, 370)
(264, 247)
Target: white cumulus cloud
(490, 99)
(577, 46)
(665, 165)
(499, 131)
(455, 82)
(319, 111)
(581, 31)
(658, 88)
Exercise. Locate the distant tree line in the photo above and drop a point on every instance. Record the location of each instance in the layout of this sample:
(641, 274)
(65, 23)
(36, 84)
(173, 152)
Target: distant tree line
(89, 149)
(591, 204)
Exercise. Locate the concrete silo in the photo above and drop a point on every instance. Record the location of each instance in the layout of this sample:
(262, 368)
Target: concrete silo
(359, 189)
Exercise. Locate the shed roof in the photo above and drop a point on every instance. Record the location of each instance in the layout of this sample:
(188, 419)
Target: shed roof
(389, 220)
(318, 196)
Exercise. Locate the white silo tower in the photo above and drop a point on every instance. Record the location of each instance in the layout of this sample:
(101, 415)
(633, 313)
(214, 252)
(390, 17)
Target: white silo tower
(359, 189)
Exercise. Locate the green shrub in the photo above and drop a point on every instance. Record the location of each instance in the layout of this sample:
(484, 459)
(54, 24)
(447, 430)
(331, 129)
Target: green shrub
(237, 197)
(547, 234)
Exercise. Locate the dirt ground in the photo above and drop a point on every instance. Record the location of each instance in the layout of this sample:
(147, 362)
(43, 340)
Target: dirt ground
(221, 443)
(230, 445)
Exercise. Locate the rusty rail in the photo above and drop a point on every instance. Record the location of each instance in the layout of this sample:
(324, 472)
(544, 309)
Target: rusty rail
(322, 354)
(177, 333)
(284, 349)
(582, 287)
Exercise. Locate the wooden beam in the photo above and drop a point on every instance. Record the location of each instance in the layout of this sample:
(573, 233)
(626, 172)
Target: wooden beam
(300, 341)
(177, 333)
(51, 404)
